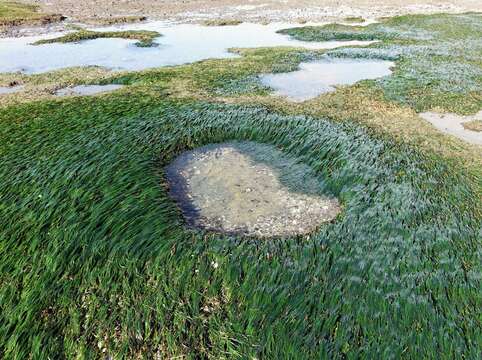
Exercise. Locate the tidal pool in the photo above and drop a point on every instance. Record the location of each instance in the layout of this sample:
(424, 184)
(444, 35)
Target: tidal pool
(87, 90)
(10, 89)
(453, 124)
(180, 44)
(250, 189)
(318, 77)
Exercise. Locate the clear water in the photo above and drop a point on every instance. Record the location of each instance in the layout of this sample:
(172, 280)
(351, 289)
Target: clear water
(318, 77)
(181, 43)
(87, 90)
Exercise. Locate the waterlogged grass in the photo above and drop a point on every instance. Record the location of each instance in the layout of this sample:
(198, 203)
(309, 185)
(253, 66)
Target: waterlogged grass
(236, 81)
(438, 58)
(145, 38)
(15, 13)
(338, 32)
(95, 260)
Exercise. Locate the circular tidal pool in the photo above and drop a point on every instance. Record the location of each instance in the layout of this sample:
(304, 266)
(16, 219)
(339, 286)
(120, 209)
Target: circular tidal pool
(250, 189)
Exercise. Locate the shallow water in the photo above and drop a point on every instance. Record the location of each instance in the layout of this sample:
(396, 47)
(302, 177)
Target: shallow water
(248, 188)
(318, 77)
(87, 90)
(10, 89)
(453, 124)
(181, 43)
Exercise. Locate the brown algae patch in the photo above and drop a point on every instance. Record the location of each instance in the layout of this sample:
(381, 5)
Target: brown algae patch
(250, 189)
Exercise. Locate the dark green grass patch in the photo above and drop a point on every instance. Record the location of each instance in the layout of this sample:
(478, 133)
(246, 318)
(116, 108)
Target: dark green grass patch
(145, 38)
(438, 57)
(95, 260)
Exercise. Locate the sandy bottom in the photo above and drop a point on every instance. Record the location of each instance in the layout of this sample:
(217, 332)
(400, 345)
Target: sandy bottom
(453, 124)
(238, 188)
(87, 90)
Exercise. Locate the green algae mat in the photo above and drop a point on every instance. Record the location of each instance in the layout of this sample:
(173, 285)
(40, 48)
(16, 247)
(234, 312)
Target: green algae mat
(96, 260)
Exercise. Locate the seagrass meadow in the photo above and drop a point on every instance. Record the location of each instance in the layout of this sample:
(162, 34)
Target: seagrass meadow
(96, 261)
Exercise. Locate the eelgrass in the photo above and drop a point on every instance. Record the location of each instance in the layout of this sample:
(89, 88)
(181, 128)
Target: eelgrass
(95, 260)
(438, 57)
(145, 38)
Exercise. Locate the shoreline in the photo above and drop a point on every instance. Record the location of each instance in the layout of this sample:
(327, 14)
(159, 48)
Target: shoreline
(96, 13)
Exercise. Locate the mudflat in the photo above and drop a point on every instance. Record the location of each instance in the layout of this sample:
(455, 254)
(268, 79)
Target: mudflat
(255, 10)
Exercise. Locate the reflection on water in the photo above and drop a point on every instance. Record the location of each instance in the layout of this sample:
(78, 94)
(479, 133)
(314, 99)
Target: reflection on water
(180, 44)
(315, 78)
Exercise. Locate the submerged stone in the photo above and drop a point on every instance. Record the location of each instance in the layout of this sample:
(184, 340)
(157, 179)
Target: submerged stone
(87, 90)
(250, 189)
(318, 77)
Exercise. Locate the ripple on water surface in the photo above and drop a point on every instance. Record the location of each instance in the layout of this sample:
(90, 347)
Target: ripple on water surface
(318, 77)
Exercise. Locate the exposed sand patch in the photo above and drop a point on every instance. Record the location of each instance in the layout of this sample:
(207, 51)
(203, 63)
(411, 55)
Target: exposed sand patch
(453, 124)
(230, 188)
